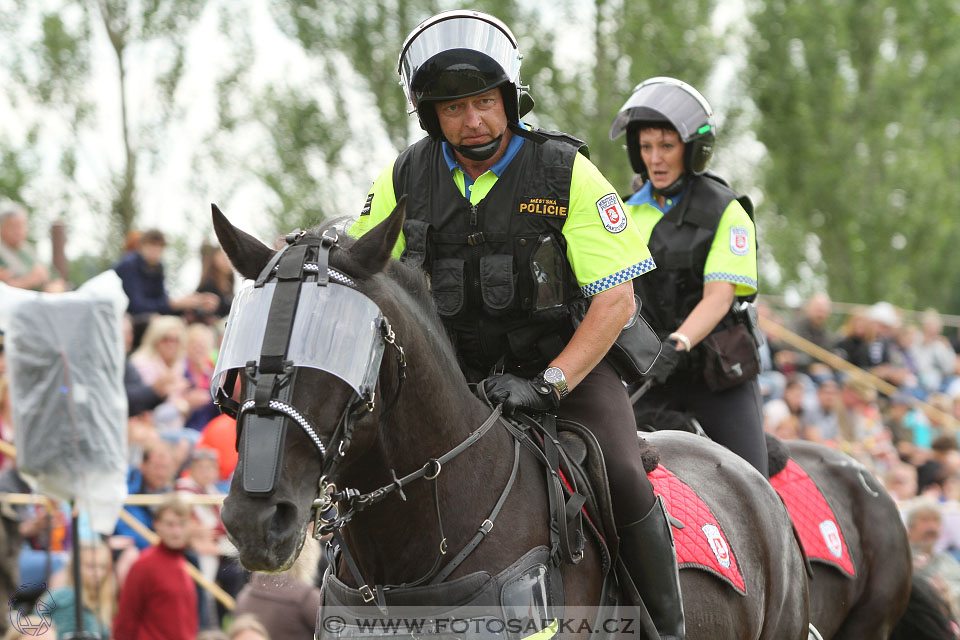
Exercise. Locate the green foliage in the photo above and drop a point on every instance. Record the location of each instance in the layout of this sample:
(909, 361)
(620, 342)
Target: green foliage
(856, 108)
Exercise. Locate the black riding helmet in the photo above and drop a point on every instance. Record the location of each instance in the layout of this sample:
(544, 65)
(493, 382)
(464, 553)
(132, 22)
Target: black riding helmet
(676, 105)
(458, 54)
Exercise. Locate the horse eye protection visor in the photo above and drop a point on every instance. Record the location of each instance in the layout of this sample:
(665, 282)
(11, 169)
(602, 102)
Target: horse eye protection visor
(336, 329)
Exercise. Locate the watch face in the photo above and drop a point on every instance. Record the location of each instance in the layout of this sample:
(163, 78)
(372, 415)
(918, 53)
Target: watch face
(553, 374)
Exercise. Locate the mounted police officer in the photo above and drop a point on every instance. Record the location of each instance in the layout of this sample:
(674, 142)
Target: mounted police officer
(513, 224)
(702, 236)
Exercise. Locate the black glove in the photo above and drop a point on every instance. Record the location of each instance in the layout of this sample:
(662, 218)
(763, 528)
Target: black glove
(666, 363)
(514, 392)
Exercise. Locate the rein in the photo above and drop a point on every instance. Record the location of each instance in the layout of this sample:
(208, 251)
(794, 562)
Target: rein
(330, 520)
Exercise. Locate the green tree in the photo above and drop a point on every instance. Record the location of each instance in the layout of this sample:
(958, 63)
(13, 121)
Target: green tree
(50, 59)
(856, 109)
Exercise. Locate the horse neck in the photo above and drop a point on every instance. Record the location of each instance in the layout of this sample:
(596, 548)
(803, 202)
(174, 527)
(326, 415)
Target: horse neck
(397, 540)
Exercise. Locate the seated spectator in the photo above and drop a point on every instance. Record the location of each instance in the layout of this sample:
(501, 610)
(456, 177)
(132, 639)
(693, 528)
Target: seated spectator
(854, 344)
(887, 360)
(19, 266)
(924, 523)
(934, 357)
(901, 483)
(811, 326)
(45, 530)
(99, 594)
(943, 461)
(160, 356)
(820, 420)
(158, 598)
(247, 627)
(909, 426)
(155, 475)
(859, 417)
(198, 371)
(141, 396)
(141, 272)
(216, 278)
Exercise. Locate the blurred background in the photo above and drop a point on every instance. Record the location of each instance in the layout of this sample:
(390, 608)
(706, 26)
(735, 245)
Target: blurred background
(839, 119)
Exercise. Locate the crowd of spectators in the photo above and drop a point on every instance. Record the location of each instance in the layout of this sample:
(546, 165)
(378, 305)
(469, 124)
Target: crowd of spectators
(180, 446)
(900, 421)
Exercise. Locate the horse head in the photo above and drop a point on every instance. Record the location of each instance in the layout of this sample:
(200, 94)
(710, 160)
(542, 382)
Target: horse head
(313, 425)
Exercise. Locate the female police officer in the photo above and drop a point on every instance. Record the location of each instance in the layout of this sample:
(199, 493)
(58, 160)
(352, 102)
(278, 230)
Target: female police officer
(513, 225)
(702, 237)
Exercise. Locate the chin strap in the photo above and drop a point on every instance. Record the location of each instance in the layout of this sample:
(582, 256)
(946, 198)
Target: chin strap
(479, 152)
(673, 189)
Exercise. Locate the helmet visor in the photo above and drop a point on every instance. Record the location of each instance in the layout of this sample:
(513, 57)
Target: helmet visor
(666, 100)
(457, 57)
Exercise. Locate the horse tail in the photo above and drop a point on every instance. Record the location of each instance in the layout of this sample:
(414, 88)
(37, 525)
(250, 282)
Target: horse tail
(927, 616)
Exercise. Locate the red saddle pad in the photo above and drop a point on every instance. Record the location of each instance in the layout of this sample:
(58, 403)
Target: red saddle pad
(702, 543)
(815, 521)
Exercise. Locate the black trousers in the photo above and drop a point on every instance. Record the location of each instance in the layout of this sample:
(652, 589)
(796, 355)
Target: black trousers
(600, 403)
(733, 417)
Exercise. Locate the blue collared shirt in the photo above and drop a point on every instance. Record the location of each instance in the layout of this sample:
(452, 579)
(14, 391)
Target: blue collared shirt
(645, 196)
(513, 147)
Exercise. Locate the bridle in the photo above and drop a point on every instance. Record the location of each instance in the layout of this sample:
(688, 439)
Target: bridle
(263, 414)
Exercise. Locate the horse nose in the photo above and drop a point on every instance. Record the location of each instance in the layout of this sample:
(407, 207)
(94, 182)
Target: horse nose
(259, 518)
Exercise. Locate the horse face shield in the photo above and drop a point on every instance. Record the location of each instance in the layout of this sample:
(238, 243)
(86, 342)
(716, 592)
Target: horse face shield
(308, 316)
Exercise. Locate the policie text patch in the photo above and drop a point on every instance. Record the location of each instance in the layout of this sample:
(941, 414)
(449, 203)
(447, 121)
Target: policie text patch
(543, 207)
(612, 215)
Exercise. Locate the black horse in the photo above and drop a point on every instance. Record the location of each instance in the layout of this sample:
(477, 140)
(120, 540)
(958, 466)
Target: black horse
(870, 605)
(396, 540)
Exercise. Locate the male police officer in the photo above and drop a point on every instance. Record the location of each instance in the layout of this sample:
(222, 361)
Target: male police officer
(513, 224)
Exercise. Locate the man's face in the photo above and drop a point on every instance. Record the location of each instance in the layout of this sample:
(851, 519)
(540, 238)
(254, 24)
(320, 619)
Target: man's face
(158, 469)
(152, 253)
(13, 230)
(925, 530)
(173, 529)
(473, 121)
(662, 153)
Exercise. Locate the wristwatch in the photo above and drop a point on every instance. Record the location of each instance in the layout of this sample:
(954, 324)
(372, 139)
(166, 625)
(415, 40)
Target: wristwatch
(554, 377)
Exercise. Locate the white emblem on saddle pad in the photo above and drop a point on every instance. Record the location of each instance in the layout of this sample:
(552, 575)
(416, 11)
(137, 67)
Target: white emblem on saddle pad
(612, 216)
(831, 535)
(718, 544)
(739, 241)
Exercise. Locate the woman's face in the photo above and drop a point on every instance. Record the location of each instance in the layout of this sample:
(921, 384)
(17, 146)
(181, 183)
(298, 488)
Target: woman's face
(95, 565)
(662, 153)
(168, 345)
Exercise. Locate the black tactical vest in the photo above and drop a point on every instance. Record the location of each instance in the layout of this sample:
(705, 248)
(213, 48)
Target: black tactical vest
(498, 269)
(679, 244)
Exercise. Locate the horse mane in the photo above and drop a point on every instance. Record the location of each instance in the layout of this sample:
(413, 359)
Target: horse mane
(410, 283)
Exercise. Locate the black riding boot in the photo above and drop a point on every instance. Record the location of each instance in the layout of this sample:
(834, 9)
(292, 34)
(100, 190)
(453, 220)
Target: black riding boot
(646, 547)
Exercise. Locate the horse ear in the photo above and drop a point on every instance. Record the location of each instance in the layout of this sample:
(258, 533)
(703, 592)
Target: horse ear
(248, 255)
(372, 250)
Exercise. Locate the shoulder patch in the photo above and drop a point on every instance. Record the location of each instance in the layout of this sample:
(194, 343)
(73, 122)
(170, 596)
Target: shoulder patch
(612, 215)
(366, 205)
(739, 241)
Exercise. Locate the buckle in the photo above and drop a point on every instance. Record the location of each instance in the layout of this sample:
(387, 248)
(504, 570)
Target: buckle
(486, 526)
(475, 238)
(367, 593)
